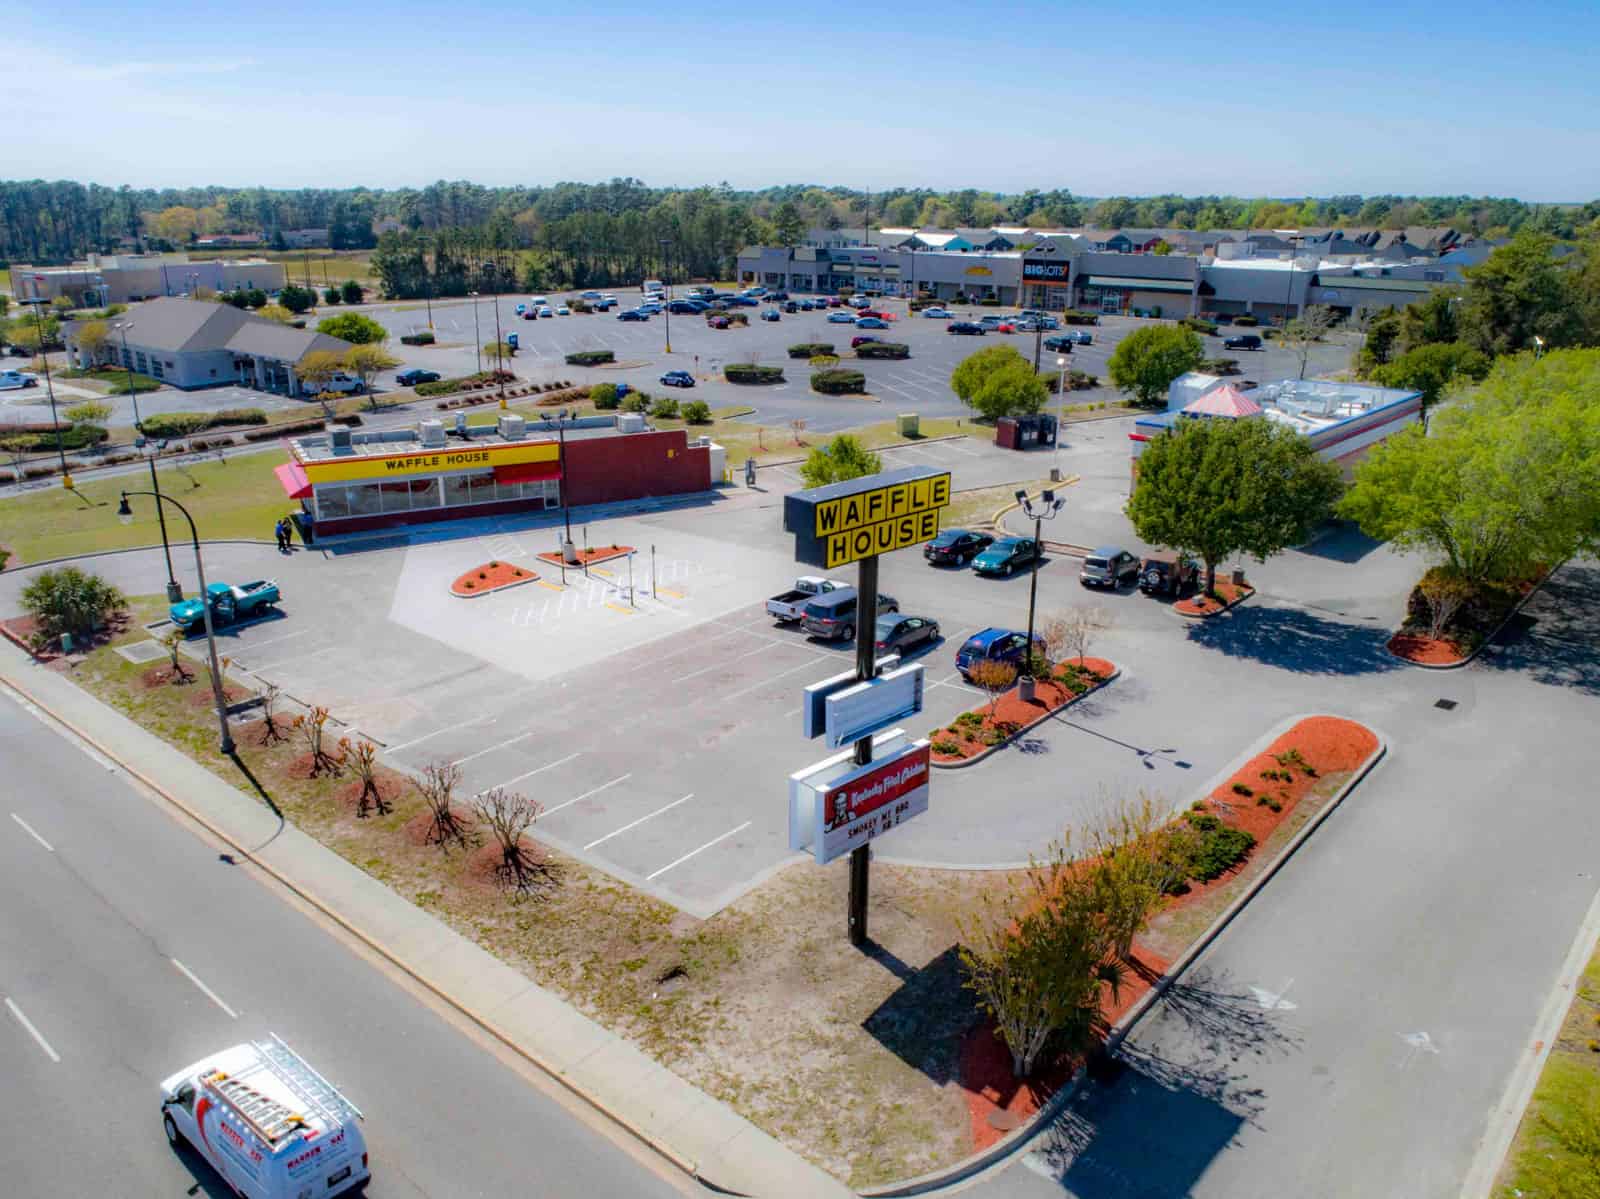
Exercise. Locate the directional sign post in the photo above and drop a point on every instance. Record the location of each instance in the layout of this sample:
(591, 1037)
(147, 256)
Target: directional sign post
(855, 521)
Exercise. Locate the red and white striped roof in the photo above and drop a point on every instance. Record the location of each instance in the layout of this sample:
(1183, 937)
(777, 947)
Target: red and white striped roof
(1226, 400)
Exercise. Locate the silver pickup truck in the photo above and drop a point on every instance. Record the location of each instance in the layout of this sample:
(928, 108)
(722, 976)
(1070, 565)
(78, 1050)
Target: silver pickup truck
(791, 605)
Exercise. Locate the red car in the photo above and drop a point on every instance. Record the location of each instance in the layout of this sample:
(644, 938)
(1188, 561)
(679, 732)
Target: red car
(861, 341)
(1005, 327)
(882, 316)
(834, 301)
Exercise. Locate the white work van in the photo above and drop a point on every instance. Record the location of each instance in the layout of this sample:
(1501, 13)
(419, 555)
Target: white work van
(267, 1122)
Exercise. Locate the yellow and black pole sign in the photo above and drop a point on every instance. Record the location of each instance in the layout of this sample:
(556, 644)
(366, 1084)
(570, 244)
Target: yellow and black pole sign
(847, 522)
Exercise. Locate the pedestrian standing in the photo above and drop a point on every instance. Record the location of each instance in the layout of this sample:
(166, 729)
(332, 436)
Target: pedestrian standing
(283, 536)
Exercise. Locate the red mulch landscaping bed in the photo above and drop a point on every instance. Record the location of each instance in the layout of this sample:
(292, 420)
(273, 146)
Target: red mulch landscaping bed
(491, 576)
(588, 557)
(1201, 605)
(1013, 715)
(1326, 745)
(1428, 651)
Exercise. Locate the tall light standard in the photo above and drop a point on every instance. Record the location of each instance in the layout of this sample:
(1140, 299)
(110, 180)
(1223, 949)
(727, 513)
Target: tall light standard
(38, 303)
(494, 291)
(174, 592)
(477, 338)
(1288, 294)
(666, 282)
(1049, 504)
(569, 552)
(1061, 393)
(125, 515)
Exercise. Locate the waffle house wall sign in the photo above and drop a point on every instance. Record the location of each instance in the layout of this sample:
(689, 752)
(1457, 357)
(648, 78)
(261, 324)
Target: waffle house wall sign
(846, 522)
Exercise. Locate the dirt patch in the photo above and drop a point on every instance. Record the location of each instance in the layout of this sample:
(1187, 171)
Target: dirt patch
(166, 676)
(489, 578)
(592, 555)
(1427, 651)
(230, 695)
(986, 727)
(1201, 606)
(390, 788)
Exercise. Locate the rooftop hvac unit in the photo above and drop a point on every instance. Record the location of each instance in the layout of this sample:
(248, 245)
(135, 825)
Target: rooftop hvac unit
(512, 426)
(630, 422)
(431, 433)
(339, 439)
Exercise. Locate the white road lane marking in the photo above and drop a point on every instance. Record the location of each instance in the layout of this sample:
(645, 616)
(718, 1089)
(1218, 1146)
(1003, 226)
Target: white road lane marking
(204, 990)
(694, 674)
(28, 828)
(250, 645)
(692, 852)
(747, 690)
(492, 748)
(32, 1031)
(447, 729)
(529, 774)
(596, 791)
(641, 820)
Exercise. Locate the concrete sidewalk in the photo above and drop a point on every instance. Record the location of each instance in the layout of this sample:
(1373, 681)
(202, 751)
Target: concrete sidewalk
(700, 1135)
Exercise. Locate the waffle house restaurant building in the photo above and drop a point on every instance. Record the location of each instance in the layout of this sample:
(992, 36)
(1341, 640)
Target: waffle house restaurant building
(350, 482)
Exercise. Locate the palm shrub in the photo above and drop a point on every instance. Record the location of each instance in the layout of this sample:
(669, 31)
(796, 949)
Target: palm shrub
(69, 600)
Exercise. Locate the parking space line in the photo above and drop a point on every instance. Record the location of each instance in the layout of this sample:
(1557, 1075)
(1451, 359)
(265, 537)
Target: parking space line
(692, 852)
(594, 791)
(768, 679)
(550, 586)
(28, 828)
(684, 678)
(529, 774)
(204, 990)
(492, 748)
(449, 728)
(273, 640)
(32, 1031)
(638, 822)
(624, 611)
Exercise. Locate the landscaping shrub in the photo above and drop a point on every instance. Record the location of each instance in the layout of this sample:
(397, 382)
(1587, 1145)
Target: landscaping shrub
(69, 600)
(73, 437)
(1074, 316)
(569, 395)
(697, 412)
(444, 387)
(665, 408)
(1220, 366)
(946, 747)
(590, 357)
(747, 372)
(838, 382)
(417, 339)
(883, 349)
(289, 430)
(810, 349)
(1212, 848)
(636, 402)
(604, 396)
(1209, 328)
(989, 302)
(1246, 320)
(181, 424)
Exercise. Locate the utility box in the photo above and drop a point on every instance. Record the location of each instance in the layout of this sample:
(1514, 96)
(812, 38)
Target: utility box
(1025, 432)
(513, 427)
(910, 424)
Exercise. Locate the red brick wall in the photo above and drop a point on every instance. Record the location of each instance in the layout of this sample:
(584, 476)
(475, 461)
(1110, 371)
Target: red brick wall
(630, 466)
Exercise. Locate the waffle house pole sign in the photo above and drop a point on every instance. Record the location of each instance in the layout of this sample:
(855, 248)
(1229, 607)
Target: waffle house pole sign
(851, 521)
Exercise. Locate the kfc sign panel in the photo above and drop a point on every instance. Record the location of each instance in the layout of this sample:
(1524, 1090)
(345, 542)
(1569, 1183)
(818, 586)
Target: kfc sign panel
(870, 801)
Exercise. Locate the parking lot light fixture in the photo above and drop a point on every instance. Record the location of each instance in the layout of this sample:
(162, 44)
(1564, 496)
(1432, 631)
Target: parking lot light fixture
(174, 592)
(125, 515)
(477, 338)
(1049, 504)
(666, 283)
(1061, 395)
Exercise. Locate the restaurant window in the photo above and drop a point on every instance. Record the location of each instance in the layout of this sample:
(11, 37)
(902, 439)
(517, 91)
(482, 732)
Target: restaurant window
(396, 495)
(457, 490)
(483, 491)
(366, 499)
(424, 493)
(332, 502)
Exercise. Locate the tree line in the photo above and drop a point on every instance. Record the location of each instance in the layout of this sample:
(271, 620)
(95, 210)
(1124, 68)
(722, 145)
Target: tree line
(602, 229)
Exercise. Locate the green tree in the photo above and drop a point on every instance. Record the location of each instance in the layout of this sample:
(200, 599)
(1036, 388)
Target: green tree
(275, 312)
(317, 367)
(788, 225)
(1161, 248)
(297, 299)
(1430, 321)
(351, 291)
(5, 305)
(1431, 368)
(1012, 390)
(62, 305)
(92, 337)
(358, 330)
(1381, 340)
(1216, 487)
(89, 412)
(1521, 291)
(366, 361)
(1149, 359)
(255, 298)
(332, 297)
(842, 458)
(1507, 476)
(69, 600)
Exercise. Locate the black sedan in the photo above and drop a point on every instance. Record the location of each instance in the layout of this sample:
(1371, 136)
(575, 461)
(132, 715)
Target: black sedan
(416, 375)
(956, 547)
(965, 328)
(901, 634)
(1060, 345)
(632, 314)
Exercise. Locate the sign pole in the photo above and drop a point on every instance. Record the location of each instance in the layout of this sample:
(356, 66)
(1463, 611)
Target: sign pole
(866, 641)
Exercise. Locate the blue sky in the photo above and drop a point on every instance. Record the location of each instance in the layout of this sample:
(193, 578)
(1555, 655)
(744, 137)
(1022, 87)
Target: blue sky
(1102, 99)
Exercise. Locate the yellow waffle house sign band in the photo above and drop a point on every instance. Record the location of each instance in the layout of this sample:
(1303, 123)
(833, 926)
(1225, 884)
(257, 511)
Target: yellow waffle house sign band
(845, 522)
(389, 466)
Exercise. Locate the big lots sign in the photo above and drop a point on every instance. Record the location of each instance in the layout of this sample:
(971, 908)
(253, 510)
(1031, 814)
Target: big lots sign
(869, 802)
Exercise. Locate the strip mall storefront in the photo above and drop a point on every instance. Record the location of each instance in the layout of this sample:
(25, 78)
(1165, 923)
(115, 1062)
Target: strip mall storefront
(377, 487)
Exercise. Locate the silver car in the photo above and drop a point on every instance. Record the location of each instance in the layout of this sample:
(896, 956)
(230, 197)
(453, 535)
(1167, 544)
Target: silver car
(1109, 566)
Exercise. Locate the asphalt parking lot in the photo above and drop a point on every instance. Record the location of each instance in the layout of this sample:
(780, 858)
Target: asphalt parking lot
(920, 384)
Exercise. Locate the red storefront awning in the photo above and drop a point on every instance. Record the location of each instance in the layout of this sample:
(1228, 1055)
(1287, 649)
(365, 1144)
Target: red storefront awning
(527, 472)
(293, 477)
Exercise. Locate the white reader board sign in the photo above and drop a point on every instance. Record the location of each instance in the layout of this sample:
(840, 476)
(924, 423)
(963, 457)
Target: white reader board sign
(872, 706)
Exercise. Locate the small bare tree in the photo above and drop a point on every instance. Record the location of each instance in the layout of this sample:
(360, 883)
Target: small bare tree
(1300, 334)
(173, 640)
(510, 814)
(16, 451)
(365, 756)
(1444, 592)
(1069, 632)
(798, 426)
(311, 728)
(993, 678)
(438, 784)
(271, 728)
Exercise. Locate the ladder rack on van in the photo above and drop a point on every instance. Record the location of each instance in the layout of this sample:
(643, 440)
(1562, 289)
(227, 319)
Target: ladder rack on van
(271, 1120)
(312, 1089)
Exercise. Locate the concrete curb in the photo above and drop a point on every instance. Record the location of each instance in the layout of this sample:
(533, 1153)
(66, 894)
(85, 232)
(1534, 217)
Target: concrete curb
(808, 1181)
(899, 445)
(1228, 607)
(136, 549)
(1045, 1116)
(1507, 1115)
(1486, 642)
(1116, 673)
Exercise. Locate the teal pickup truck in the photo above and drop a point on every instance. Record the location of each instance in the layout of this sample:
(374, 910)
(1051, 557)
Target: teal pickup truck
(229, 604)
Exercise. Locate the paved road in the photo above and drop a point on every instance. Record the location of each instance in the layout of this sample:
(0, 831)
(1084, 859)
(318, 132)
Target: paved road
(1350, 1032)
(105, 895)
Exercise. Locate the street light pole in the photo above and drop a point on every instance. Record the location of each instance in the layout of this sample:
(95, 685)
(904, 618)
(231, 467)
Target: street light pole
(666, 282)
(125, 514)
(566, 507)
(1288, 295)
(498, 341)
(477, 337)
(1061, 394)
(49, 387)
(1050, 504)
(174, 592)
